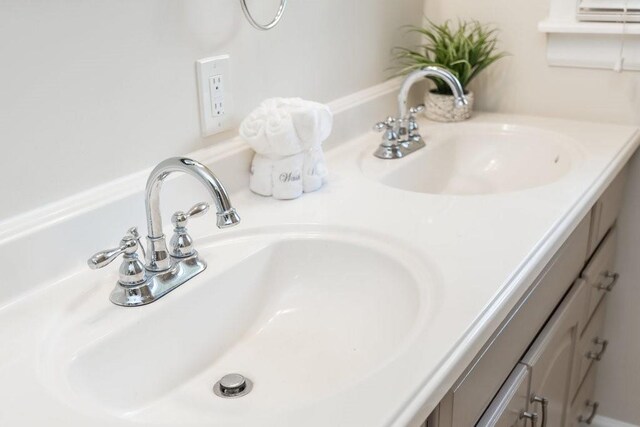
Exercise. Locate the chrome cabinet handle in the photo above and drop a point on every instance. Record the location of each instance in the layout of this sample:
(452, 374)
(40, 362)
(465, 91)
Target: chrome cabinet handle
(597, 355)
(614, 279)
(594, 410)
(544, 402)
(531, 416)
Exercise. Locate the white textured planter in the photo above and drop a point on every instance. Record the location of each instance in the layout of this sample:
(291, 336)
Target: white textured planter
(441, 108)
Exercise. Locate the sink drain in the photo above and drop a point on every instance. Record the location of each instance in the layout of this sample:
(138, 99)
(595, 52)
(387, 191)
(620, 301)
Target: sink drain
(232, 385)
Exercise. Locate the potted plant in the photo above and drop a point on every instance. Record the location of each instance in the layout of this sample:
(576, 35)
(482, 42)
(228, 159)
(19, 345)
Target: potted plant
(465, 49)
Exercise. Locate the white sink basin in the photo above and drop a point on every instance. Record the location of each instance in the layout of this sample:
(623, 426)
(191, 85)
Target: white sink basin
(478, 159)
(304, 316)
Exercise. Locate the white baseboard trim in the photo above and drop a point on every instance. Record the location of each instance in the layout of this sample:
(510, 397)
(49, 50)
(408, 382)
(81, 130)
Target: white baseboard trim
(600, 421)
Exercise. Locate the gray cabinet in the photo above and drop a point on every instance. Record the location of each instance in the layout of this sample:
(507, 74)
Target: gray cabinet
(539, 389)
(475, 389)
(551, 360)
(511, 405)
(538, 368)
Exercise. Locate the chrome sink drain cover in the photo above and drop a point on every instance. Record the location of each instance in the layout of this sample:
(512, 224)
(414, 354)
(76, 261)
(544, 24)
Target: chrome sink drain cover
(233, 385)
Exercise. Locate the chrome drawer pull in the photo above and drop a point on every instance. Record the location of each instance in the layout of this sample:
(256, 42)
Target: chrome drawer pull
(597, 355)
(544, 402)
(614, 279)
(594, 410)
(531, 416)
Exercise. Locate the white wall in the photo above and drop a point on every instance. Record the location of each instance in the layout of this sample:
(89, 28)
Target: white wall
(523, 83)
(92, 90)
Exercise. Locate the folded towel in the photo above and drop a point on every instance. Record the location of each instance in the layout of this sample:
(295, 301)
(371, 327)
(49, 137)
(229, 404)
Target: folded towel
(252, 130)
(287, 136)
(281, 133)
(287, 177)
(314, 170)
(261, 179)
(312, 122)
(269, 130)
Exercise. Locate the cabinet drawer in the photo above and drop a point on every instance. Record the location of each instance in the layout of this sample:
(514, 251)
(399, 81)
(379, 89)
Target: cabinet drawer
(606, 210)
(599, 274)
(592, 344)
(584, 408)
(475, 389)
(511, 402)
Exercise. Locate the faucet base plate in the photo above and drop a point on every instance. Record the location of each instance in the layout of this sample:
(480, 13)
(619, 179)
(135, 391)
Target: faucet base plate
(159, 284)
(400, 150)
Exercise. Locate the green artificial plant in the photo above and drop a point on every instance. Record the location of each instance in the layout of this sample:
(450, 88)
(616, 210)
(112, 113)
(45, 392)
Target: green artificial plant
(464, 49)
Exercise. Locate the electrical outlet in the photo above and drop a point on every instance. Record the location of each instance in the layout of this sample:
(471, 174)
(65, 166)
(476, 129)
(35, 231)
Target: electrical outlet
(214, 94)
(216, 89)
(218, 108)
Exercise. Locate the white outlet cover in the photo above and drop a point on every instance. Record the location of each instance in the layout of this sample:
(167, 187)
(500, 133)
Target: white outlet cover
(214, 93)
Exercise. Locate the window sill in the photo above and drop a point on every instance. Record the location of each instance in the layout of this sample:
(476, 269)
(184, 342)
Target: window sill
(575, 27)
(591, 44)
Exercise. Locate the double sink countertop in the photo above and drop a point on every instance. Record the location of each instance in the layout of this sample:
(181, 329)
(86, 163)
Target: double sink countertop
(477, 254)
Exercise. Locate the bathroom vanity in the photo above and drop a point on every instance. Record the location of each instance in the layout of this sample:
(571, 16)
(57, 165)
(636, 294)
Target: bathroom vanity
(464, 284)
(539, 367)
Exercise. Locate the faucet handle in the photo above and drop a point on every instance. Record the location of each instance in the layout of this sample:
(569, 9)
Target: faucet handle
(181, 242)
(133, 232)
(132, 272)
(412, 124)
(180, 219)
(388, 124)
(416, 110)
(128, 245)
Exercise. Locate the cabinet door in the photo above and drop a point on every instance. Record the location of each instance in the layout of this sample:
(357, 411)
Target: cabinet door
(551, 360)
(599, 274)
(584, 407)
(509, 407)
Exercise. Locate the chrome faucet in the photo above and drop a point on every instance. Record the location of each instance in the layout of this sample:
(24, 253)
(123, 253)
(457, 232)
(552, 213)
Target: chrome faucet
(401, 135)
(164, 269)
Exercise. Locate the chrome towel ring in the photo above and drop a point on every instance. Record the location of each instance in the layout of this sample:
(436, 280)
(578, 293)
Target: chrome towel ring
(270, 25)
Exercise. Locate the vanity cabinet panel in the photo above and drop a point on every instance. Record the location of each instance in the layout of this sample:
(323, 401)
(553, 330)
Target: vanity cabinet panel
(606, 210)
(584, 408)
(592, 345)
(599, 274)
(481, 381)
(559, 335)
(511, 403)
(551, 359)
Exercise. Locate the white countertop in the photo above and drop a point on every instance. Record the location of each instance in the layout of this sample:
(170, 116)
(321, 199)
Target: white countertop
(482, 251)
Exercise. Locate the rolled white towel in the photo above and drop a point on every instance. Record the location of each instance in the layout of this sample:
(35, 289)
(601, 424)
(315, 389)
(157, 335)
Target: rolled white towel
(313, 122)
(314, 170)
(287, 135)
(252, 130)
(269, 129)
(287, 177)
(281, 133)
(261, 178)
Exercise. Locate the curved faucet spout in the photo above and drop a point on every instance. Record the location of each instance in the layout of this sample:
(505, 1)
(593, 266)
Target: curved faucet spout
(431, 71)
(157, 255)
